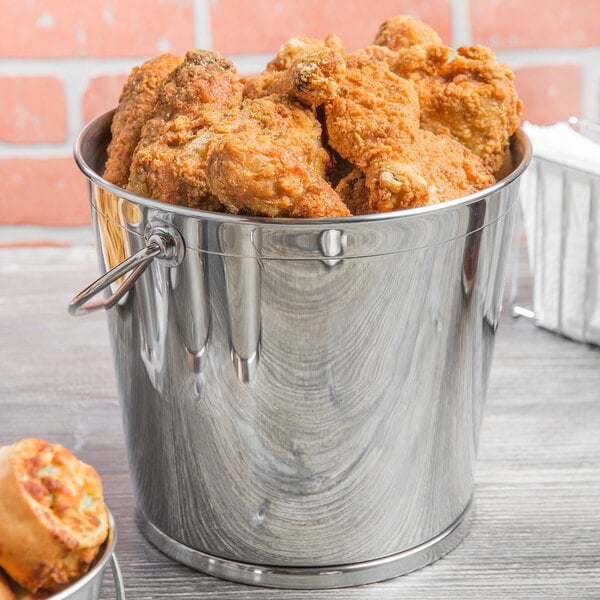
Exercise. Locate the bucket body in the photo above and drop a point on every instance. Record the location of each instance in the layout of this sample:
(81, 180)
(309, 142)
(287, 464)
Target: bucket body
(302, 400)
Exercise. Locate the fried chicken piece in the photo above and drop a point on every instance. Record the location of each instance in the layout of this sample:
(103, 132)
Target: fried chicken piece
(169, 163)
(435, 168)
(372, 120)
(199, 113)
(286, 122)
(269, 161)
(134, 109)
(294, 50)
(471, 97)
(253, 174)
(312, 79)
(468, 95)
(402, 31)
(374, 107)
(374, 123)
(353, 191)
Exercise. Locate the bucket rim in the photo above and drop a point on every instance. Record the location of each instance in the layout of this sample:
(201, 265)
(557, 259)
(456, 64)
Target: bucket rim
(99, 127)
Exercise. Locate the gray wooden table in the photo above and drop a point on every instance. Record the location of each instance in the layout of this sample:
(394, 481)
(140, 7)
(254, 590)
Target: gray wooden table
(536, 531)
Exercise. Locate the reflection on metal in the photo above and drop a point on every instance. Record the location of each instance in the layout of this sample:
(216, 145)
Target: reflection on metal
(242, 283)
(331, 417)
(332, 243)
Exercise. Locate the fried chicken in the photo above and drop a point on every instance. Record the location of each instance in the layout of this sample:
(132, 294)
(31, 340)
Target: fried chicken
(253, 174)
(312, 79)
(169, 163)
(199, 112)
(402, 123)
(466, 94)
(373, 122)
(268, 160)
(278, 72)
(403, 31)
(135, 107)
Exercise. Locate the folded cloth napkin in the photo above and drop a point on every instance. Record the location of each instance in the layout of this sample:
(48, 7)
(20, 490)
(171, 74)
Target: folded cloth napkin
(560, 200)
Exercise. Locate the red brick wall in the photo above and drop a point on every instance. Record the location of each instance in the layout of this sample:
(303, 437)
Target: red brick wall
(63, 62)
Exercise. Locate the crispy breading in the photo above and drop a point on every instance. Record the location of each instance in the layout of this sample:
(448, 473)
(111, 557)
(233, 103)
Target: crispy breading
(403, 31)
(401, 123)
(374, 123)
(466, 93)
(292, 51)
(135, 107)
(198, 104)
(253, 174)
(169, 163)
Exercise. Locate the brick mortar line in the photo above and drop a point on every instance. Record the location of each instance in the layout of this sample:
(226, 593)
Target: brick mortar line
(521, 57)
(202, 24)
(461, 23)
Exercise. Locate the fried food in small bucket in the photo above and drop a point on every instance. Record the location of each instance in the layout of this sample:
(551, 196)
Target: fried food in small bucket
(135, 107)
(52, 515)
(403, 123)
(466, 93)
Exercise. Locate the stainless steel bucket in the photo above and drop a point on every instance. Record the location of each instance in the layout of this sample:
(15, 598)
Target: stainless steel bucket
(301, 398)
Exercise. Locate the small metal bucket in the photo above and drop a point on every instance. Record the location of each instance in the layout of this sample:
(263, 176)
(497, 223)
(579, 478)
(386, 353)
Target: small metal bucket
(301, 398)
(89, 586)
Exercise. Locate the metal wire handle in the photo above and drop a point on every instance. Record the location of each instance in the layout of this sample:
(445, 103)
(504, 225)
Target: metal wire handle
(117, 577)
(161, 243)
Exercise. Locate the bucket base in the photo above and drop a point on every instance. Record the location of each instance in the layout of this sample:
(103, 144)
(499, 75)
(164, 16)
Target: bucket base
(310, 577)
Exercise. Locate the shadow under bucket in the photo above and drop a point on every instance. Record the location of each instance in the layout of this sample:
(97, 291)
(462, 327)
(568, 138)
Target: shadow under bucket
(302, 399)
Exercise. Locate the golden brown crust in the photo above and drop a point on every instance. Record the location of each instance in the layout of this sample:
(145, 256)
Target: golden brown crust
(408, 121)
(253, 174)
(135, 107)
(169, 163)
(52, 515)
(276, 78)
(374, 123)
(403, 31)
(466, 94)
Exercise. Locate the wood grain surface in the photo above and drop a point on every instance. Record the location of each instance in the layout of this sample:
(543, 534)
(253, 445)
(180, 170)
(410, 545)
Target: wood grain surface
(536, 529)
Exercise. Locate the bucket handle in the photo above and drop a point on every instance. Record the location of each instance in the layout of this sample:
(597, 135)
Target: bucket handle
(161, 243)
(117, 578)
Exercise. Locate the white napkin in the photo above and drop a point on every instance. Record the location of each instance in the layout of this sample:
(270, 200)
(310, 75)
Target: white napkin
(560, 200)
(562, 143)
